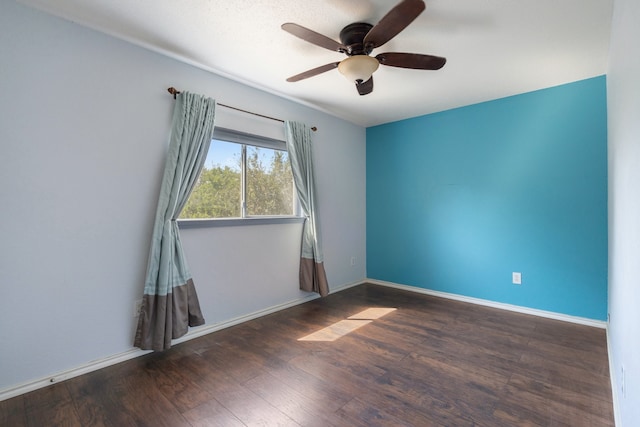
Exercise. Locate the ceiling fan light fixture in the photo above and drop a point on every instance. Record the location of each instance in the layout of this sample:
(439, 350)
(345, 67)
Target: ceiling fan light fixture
(358, 67)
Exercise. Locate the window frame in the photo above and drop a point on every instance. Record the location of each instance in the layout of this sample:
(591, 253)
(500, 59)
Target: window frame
(245, 139)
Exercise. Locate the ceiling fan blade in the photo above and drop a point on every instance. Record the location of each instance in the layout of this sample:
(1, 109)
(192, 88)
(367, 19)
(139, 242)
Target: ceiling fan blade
(313, 72)
(313, 37)
(411, 60)
(365, 88)
(393, 22)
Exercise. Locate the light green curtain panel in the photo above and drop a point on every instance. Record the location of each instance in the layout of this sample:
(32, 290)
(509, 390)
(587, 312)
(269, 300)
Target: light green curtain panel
(170, 303)
(312, 274)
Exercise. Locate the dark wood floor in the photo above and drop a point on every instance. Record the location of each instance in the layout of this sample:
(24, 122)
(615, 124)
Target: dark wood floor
(430, 362)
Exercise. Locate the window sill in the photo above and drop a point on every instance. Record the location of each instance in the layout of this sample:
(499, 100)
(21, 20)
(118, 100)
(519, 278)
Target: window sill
(232, 222)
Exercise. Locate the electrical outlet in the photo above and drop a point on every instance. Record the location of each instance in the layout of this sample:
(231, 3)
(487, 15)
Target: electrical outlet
(516, 278)
(137, 306)
(353, 261)
(623, 385)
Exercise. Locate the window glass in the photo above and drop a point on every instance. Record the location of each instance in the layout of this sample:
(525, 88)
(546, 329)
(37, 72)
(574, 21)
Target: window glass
(217, 193)
(243, 180)
(269, 188)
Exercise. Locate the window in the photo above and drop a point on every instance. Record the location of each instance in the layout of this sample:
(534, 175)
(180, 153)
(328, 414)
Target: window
(244, 176)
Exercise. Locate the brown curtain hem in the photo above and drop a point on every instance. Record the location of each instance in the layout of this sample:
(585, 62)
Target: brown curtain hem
(166, 317)
(313, 277)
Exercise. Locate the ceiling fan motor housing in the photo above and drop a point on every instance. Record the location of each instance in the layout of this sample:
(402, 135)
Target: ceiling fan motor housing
(352, 37)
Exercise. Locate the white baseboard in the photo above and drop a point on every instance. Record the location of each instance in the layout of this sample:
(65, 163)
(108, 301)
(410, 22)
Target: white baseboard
(509, 307)
(134, 352)
(70, 373)
(614, 383)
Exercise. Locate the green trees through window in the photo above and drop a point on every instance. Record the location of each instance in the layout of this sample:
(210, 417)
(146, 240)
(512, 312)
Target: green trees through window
(240, 175)
(269, 189)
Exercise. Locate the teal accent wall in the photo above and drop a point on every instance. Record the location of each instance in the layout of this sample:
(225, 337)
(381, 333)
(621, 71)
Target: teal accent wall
(458, 200)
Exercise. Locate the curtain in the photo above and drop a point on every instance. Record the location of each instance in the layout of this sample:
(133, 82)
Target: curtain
(312, 275)
(170, 303)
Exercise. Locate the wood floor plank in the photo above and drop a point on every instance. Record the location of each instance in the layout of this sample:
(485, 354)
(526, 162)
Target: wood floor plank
(229, 393)
(575, 336)
(523, 407)
(94, 406)
(238, 364)
(473, 358)
(123, 395)
(579, 358)
(52, 406)
(582, 379)
(178, 387)
(429, 362)
(449, 399)
(212, 414)
(12, 412)
(405, 318)
(383, 396)
(330, 395)
(324, 371)
(296, 405)
(596, 405)
(147, 405)
(359, 413)
(252, 409)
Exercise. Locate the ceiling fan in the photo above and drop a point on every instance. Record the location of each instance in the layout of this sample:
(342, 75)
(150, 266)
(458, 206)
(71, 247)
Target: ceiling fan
(359, 39)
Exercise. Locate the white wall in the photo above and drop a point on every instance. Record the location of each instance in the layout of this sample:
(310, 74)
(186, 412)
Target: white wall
(623, 87)
(84, 121)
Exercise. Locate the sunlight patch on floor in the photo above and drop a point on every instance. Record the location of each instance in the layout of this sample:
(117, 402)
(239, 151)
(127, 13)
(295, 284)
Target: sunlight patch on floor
(335, 331)
(372, 313)
(343, 327)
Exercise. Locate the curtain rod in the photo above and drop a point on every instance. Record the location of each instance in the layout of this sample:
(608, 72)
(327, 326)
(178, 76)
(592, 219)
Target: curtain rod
(173, 91)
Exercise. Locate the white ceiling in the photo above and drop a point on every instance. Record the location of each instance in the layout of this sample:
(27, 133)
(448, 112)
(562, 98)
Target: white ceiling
(494, 48)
